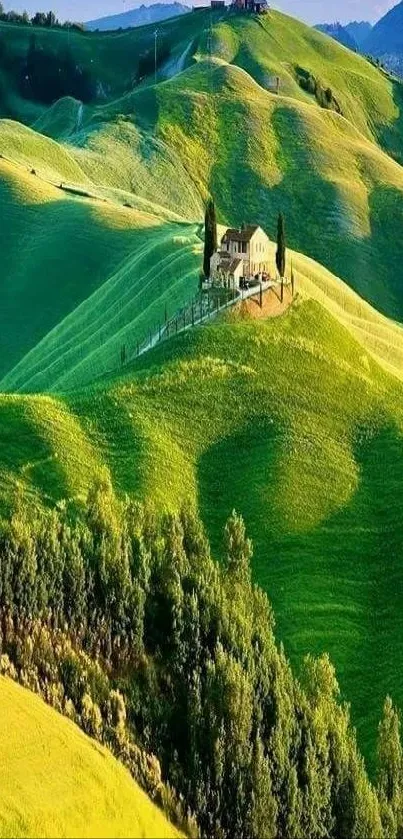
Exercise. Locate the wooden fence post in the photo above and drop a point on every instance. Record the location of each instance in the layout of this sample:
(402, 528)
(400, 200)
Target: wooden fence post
(261, 296)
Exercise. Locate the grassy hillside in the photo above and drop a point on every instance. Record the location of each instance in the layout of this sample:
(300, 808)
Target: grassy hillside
(287, 420)
(161, 150)
(55, 781)
(87, 275)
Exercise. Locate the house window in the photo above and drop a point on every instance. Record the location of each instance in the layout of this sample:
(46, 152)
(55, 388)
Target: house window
(243, 247)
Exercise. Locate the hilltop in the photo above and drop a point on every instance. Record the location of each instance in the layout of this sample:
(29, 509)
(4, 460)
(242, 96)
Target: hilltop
(55, 781)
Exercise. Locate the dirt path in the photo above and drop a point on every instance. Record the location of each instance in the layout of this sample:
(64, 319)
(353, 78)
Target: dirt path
(272, 306)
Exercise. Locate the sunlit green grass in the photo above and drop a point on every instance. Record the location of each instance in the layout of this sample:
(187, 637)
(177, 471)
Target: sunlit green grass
(294, 421)
(297, 422)
(81, 279)
(84, 276)
(55, 781)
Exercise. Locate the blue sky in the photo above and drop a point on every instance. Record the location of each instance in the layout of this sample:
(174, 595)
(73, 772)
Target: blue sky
(312, 11)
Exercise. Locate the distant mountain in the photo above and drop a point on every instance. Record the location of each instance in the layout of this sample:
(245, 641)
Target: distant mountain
(386, 40)
(359, 31)
(387, 35)
(339, 33)
(138, 17)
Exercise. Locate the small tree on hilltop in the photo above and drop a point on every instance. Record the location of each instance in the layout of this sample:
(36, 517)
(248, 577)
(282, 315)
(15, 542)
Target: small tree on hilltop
(210, 235)
(280, 255)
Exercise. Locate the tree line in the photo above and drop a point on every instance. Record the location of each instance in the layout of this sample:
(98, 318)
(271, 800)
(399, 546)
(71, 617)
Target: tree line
(44, 19)
(121, 619)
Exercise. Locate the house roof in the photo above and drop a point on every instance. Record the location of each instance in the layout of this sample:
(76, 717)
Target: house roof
(233, 265)
(241, 234)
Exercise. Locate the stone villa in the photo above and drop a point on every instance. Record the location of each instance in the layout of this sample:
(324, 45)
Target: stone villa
(243, 255)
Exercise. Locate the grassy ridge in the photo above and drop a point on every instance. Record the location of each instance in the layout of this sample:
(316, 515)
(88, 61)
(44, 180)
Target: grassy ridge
(55, 781)
(81, 278)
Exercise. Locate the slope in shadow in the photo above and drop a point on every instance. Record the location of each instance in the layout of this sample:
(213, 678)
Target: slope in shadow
(336, 587)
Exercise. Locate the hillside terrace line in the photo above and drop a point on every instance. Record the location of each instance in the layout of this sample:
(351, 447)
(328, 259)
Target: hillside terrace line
(227, 287)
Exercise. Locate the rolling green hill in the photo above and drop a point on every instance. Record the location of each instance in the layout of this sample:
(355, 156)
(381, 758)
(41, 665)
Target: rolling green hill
(145, 157)
(84, 276)
(55, 781)
(286, 420)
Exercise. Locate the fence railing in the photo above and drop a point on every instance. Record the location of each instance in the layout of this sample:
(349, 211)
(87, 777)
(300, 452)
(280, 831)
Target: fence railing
(202, 308)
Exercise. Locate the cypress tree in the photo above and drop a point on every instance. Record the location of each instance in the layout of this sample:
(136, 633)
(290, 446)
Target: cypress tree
(210, 235)
(280, 255)
(238, 549)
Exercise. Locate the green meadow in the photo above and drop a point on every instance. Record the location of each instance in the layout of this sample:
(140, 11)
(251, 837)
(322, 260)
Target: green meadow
(296, 421)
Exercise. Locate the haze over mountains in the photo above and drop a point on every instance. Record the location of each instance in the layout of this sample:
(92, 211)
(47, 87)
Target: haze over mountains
(339, 33)
(386, 38)
(138, 17)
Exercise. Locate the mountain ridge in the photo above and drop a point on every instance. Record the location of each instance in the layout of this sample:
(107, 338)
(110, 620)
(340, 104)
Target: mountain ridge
(139, 16)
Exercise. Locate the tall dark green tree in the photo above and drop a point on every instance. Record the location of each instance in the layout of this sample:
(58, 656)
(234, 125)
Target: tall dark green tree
(210, 235)
(280, 255)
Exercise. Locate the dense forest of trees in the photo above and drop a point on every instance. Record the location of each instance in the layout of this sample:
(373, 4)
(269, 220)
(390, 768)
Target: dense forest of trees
(47, 74)
(122, 620)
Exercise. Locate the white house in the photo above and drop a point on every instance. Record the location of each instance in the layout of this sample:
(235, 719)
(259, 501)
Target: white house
(243, 254)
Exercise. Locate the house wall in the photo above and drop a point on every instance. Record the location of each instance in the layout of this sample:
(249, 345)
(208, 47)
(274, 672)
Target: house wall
(255, 253)
(214, 263)
(259, 252)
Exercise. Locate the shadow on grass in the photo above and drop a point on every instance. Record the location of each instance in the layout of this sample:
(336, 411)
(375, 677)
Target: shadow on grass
(391, 136)
(336, 588)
